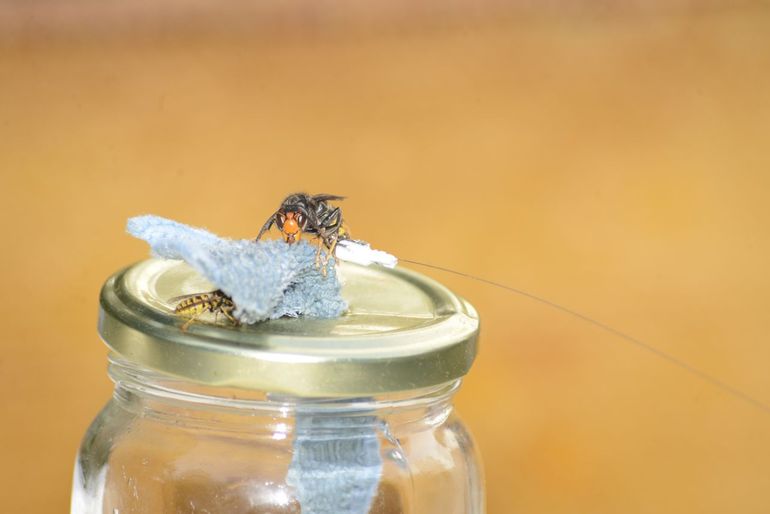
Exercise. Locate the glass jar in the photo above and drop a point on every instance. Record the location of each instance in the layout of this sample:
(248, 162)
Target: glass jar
(347, 416)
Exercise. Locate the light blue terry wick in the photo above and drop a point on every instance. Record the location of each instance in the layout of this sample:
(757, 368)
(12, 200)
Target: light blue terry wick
(336, 464)
(265, 279)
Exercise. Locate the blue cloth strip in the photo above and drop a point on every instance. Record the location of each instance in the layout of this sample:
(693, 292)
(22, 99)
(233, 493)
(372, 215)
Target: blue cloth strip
(265, 279)
(336, 466)
(336, 463)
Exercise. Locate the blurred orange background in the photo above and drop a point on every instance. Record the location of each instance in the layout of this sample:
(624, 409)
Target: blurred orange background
(613, 159)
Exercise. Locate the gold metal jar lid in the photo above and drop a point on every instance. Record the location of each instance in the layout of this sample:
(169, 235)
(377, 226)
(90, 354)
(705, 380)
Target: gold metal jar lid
(402, 331)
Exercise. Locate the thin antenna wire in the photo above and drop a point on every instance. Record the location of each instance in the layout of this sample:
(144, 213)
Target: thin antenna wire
(734, 391)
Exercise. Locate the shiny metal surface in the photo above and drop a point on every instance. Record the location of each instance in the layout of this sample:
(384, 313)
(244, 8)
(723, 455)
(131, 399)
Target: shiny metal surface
(402, 331)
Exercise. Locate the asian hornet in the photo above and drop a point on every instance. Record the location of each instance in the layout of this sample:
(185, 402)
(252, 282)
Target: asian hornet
(311, 214)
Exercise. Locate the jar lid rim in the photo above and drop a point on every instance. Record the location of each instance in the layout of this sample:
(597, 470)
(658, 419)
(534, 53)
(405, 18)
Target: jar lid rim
(402, 331)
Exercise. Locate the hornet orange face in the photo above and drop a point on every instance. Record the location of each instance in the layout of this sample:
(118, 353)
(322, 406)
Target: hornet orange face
(291, 225)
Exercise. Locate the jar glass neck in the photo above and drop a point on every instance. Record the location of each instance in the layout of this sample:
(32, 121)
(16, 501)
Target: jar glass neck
(160, 389)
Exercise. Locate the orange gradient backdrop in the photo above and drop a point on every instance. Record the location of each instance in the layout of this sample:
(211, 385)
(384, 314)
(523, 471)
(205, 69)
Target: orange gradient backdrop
(617, 164)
